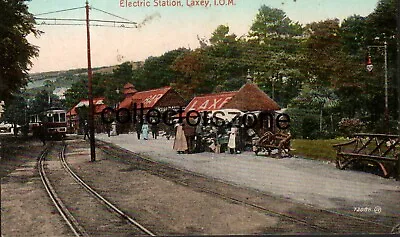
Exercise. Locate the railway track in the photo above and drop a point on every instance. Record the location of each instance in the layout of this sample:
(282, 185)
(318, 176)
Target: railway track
(63, 206)
(321, 220)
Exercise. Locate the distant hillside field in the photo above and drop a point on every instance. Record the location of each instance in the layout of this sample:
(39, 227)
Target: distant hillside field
(69, 77)
(63, 80)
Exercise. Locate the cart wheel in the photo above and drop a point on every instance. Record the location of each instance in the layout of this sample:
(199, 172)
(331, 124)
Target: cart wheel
(339, 164)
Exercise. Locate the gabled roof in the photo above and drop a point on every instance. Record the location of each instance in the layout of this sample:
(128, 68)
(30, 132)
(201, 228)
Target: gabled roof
(251, 98)
(148, 98)
(210, 101)
(85, 102)
(248, 98)
(98, 103)
(129, 88)
(128, 85)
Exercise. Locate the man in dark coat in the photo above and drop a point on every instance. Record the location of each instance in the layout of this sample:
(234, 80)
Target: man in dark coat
(86, 130)
(190, 134)
(42, 133)
(154, 130)
(138, 127)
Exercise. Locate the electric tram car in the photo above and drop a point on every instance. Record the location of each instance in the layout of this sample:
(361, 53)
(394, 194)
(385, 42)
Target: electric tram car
(52, 121)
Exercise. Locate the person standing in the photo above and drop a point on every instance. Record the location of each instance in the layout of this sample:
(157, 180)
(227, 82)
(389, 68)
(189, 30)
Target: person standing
(169, 131)
(190, 133)
(154, 130)
(233, 139)
(108, 130)
(138, 127)
(145, 131)
(85, 130)
(180, 143)
(199, 139)
(42, 134)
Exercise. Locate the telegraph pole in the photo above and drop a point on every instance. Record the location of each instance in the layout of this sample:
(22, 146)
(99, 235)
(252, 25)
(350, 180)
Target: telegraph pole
(398, 82)
(91, 105)
(98, 22)
(386, 87)
(386, 112)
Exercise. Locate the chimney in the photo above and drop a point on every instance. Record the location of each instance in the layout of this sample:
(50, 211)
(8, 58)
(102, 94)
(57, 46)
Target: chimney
(129, 89)
(248, 77)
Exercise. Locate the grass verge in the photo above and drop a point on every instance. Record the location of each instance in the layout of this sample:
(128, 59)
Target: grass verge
(315, 149)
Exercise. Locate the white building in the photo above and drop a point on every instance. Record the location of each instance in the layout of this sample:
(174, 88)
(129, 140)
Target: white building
(60, 92)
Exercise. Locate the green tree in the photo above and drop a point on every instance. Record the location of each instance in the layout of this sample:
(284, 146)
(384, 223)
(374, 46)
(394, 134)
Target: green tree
(44, 100)
(16, 52)
(195, 79)
(158, 72)
(275, 51)
(101, 85)
(318, 99)
(354, 34)
(221, 36)
(382, 26)
(273, 23)
(361, 93)
(16, 112)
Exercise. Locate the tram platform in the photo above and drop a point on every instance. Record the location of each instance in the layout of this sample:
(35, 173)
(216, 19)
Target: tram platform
(307, 181)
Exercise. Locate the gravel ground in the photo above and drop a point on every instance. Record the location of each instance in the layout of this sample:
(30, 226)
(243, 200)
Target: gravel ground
(306, 181)
(167, 208)
(26, 209)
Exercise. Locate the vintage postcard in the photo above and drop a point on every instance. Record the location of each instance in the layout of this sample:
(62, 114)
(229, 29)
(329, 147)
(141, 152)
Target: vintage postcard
(199, 117)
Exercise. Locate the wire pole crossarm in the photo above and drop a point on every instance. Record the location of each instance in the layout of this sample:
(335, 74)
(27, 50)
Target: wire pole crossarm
(75, 19)
(70, 9)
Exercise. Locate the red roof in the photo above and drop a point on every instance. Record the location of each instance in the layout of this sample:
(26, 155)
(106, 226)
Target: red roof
(128, 85)
(129, 89)
(248, 98)
(98, 102)
(210, 102)
(148, 98)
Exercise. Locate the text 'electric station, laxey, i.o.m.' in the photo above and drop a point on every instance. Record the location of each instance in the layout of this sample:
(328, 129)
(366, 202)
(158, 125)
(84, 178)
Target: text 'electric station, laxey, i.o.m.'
(176, 3)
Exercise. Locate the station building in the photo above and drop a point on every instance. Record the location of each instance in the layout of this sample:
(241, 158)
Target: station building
(249, 98)
(161, 99)
(79, 113)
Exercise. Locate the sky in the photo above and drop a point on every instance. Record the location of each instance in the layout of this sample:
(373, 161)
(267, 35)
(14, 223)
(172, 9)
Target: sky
(162, 28)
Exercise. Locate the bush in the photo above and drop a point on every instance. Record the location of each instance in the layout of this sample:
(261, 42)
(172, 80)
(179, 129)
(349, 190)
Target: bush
(349, 126)
(310, 127)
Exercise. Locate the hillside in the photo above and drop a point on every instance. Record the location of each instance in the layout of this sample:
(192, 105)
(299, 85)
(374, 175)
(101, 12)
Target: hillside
(64, 79)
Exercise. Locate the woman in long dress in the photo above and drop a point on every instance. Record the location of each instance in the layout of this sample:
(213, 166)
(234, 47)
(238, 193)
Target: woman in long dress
(232, 139)
(180, 143)
(145, 131)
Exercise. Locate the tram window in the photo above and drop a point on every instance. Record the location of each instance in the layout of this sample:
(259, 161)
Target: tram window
(56, 118)
(49, 118)
(62, 117)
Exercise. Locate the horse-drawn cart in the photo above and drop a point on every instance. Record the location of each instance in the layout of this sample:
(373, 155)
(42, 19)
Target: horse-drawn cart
(273, 141)
(379, 150)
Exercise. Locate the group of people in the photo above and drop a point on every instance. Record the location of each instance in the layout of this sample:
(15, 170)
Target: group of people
(142, 130)
(190, 139)
(184, 138)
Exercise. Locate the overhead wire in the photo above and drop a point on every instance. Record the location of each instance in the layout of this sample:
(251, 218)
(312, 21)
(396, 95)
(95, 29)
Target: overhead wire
(77, 24)
(64, 10)
(127, 21)
(113, 15)
(74, 19)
